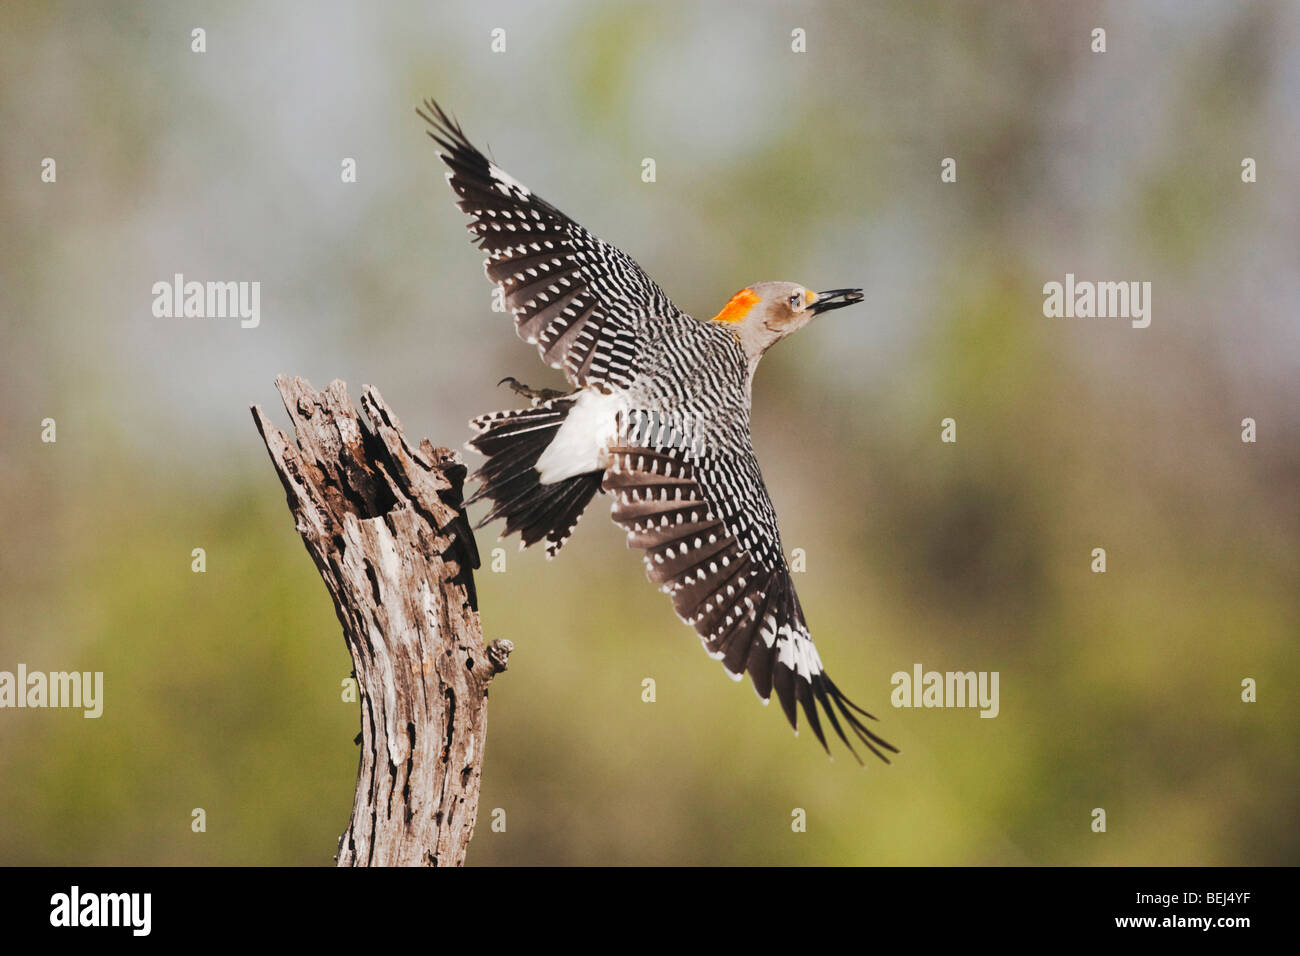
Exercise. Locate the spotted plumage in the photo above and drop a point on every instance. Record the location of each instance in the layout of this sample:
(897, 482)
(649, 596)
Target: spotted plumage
(659, 420)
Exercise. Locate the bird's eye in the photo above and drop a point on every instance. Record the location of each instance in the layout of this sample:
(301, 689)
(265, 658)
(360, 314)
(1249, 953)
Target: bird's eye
(796, 301)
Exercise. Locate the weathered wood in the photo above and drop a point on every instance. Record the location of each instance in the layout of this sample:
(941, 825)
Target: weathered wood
(385, 524)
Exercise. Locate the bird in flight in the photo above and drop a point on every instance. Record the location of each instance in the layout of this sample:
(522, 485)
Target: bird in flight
(658, 418)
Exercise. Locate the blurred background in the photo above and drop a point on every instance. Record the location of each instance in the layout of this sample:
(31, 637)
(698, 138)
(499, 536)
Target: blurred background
(1118, 690)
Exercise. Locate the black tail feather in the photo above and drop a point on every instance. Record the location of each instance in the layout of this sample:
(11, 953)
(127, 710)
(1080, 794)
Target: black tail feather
(860, 730)
(514, 441)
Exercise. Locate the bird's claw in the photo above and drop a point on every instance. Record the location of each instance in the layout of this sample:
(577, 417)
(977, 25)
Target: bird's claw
(536, 394)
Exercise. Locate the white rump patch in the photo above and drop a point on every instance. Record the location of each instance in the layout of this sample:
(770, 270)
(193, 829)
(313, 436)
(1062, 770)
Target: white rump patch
(581, 443)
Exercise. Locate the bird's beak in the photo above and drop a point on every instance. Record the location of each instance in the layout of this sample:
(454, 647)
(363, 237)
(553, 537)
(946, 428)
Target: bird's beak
(835, 299)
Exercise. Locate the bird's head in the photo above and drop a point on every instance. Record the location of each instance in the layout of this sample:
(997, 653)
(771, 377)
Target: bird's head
(762, 314)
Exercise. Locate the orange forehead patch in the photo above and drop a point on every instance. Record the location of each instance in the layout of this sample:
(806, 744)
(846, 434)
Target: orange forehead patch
(738, 307)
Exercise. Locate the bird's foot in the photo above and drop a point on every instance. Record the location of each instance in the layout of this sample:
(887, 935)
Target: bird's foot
(536, 394)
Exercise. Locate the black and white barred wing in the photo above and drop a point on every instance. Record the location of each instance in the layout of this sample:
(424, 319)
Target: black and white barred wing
(580, 300)
(727, 576)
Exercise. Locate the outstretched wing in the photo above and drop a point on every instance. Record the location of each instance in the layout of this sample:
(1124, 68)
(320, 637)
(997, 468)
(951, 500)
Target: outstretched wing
(710, 536)
(580, 300)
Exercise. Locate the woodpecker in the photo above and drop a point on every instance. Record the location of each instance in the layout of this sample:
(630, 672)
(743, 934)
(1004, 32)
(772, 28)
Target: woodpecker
(658, 418)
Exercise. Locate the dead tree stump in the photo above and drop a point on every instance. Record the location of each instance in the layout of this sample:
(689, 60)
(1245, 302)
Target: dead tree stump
(386, 526)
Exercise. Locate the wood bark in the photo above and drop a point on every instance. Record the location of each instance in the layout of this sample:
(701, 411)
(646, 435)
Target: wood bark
(385, 524)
